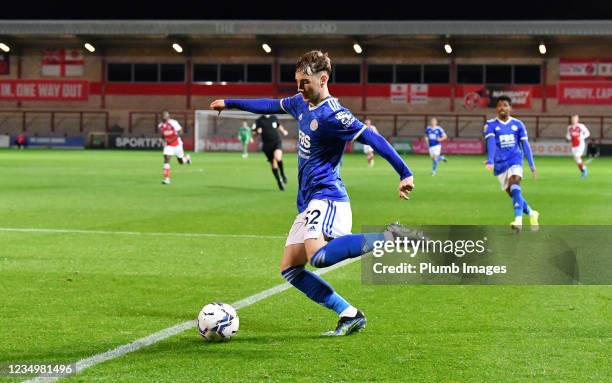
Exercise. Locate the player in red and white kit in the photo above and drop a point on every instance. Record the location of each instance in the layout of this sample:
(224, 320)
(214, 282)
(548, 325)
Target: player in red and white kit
(173, 145)
(577, 133)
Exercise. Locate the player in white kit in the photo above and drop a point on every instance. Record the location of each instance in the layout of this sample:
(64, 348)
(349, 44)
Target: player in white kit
(577, 133)
(173, 145)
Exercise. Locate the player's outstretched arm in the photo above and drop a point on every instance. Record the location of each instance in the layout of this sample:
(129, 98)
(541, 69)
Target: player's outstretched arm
(385, 150)
(491, 147)
(529, 156)
(255, 105)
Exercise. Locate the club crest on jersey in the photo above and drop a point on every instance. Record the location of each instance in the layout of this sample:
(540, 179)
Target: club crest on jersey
(514, 128)
(346, 118)
(314, 125)
(274, 125)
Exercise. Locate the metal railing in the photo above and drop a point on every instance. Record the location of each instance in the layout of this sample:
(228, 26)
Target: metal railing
(53, 121)
(146, 122)
(471, 125)
(408, 125)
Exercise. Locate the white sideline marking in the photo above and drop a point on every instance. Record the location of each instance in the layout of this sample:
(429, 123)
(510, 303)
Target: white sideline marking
(177, 329)
(136, 233)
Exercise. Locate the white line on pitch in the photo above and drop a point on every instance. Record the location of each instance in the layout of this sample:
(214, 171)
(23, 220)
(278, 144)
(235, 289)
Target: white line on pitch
(177, 329)
(136, 233)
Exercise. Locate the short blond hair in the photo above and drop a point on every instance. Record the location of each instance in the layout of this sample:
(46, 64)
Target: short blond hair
(314, 62)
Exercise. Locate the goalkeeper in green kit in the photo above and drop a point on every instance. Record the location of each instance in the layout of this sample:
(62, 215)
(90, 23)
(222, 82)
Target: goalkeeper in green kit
(244, 135)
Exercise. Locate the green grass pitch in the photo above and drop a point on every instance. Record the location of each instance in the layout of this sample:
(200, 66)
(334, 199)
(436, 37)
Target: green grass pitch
(67, 296)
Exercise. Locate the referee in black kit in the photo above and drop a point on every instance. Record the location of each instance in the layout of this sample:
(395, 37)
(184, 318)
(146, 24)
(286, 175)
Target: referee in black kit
(267, 126)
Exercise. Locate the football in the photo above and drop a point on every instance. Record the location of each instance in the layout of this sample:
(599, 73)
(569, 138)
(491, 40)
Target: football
(217, 322)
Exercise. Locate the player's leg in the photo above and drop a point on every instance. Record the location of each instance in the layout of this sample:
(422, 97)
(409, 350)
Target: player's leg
(245, 148)
(186, 159)
(340, 248)
(166, 169)
(514, 190)
(313, 286)
(274, 165)
(441, 156)
(278, 156)
(276, 173)
(331, 219)
(434, 166)
(434, 153)
(180, 155)
(318, 220)
(519, 203)
(577, 152)
(369, 152)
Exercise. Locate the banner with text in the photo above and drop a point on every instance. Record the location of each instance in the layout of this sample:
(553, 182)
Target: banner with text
(44, 90)
(75, 142)
(585, 69)
(451, 147)
(481, 96)
(585, 93)
(551, 148)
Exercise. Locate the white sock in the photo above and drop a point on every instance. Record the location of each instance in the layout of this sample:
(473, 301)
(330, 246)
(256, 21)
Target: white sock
(349, 312)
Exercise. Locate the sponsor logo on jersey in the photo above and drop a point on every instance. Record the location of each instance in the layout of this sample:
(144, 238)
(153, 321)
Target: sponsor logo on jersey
(507, 140)
(304, 141)
(345, 118)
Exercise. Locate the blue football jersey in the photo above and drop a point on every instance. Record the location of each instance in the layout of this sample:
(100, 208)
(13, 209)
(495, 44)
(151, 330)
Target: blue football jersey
(324, 131)
(508, 136)
(433, 134)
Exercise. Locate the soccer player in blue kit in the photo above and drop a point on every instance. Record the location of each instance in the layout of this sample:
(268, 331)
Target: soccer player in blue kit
(507, 141)
(321, 232)
(434, 135)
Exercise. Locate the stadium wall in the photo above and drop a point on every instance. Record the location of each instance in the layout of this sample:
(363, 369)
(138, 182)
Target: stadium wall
(119, 98)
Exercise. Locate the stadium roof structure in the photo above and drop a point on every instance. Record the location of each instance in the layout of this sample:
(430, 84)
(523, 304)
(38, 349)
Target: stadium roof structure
(209, 28)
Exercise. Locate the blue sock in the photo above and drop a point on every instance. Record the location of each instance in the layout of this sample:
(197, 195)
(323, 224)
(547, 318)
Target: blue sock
(526, 208)
(315, 288)
(517, 200)
(435, 165)
(347, 246)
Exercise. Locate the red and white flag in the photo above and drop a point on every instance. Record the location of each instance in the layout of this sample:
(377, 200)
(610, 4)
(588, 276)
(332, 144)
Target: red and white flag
(63, 63)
